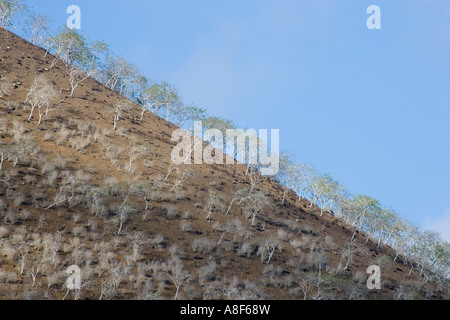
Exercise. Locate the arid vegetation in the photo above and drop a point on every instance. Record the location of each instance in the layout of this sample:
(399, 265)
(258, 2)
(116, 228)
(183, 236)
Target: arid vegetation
(89, 183)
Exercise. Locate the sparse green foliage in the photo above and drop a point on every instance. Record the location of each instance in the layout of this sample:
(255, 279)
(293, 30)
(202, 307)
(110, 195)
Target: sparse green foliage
(121, 76)
(8, 10)
(70, 47)
(157, 97)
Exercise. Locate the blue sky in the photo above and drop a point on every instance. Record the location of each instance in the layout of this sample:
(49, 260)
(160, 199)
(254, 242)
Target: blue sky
(370, 107)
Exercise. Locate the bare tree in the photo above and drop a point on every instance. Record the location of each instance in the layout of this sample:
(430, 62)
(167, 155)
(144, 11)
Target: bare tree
(231, 291)
(326, 191)
(125, 210)
(271, 245)
(66, 193)
(366, 208)
(351, 249)
(119, 111)
(52, 243)
(38, 28)
(70, 46)
(136, 152)
(286, 174)
(40, 95)
(79, 54)
(173, 270)
(119, 74)
(36, 268)
(88, 66)
(12, 152)
(182, 177)
(187, 114)
(143, 190)
(388, 224)
(255, 178)
(225, 228)
(254, 204)
(76, 76)
(117, 271)
(240, 195)
(318, 260)
(8, 9)
(137, 239)
(23, 252)
(303, 177)
(213, 204)
(171, 168)
(38, 82)
(159, 96)
(307, 283)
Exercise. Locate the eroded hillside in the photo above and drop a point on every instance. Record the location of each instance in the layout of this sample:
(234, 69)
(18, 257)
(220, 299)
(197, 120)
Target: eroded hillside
(68, 196)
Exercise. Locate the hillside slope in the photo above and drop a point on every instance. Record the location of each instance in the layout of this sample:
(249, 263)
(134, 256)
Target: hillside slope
(65, 192)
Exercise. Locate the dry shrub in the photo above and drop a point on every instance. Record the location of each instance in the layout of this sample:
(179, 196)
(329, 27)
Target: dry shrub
(63, 135)
(47, 167)
(5, 87)
(4, 231)
(203, 245)
(171, 210)
(79, 143)
(49, 136)
(185, 226)
(245, 250)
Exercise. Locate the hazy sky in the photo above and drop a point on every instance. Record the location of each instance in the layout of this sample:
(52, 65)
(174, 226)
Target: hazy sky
(370, 107)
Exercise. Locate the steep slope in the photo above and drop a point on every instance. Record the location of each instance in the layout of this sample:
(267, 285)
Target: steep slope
(65, 191)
